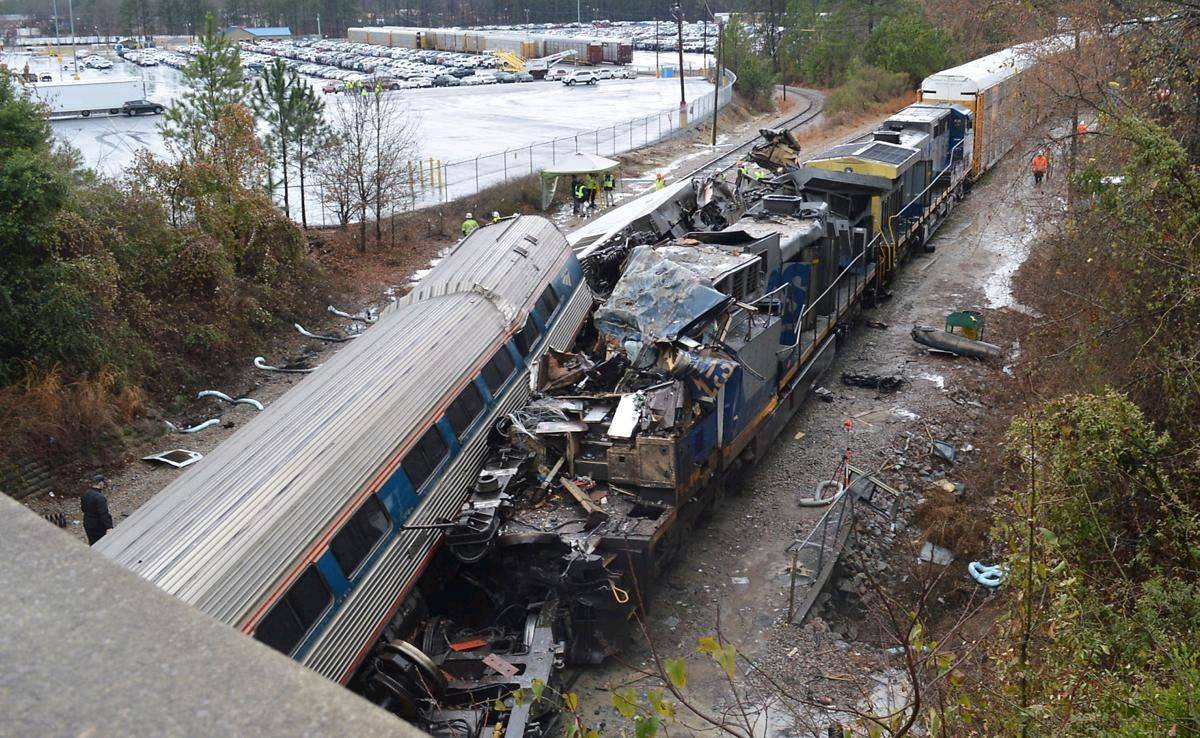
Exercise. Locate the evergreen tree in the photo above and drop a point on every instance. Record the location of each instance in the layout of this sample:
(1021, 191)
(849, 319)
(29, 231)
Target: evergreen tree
(312, 134)
(213, 81)
(277, 99)
(910, 44)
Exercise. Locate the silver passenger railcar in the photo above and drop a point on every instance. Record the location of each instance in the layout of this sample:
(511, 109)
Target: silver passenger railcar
(300, 528)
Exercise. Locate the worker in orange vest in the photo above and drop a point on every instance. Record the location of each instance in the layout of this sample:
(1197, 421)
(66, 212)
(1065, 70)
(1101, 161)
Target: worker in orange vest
(1039, 165)
(1081, 129)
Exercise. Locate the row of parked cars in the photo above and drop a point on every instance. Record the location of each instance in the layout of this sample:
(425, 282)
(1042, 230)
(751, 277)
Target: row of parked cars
(644, 36)
(355, 62)
(453, 78)
(152, 57)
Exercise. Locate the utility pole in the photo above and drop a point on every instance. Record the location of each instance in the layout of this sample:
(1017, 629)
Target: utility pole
(679, 44)
(578, 12)
(720, 78)
(319, 26)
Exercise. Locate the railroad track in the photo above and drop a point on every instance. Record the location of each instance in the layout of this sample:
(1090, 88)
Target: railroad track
(815, 105)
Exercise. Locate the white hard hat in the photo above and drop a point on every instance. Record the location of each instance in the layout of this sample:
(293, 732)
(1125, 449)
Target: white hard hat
(468, 216)
(495, 214)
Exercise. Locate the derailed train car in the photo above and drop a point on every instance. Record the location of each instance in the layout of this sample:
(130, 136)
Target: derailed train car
(481, 488)
(309, 527)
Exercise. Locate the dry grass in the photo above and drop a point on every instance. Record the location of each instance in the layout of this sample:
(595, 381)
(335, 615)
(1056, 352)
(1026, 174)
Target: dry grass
(843, 124)
(49, 417)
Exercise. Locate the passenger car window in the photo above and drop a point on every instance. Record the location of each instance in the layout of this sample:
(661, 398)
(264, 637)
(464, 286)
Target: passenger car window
(547, 303)
(465, 408)
(496, 371)
(527, 336)
(294, 615)
(424, 457)
(359, 535)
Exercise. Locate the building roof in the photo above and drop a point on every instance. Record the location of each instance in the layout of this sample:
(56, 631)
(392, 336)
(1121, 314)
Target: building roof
(272, 31)
(91, 649)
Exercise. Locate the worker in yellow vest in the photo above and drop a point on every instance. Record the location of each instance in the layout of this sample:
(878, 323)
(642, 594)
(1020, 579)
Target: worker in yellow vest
(469, 225)
(580, 193)
(609, 183)
(660, 181)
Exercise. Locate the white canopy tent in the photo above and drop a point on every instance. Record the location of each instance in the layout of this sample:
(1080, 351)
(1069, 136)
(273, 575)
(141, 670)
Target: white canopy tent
(578, 163)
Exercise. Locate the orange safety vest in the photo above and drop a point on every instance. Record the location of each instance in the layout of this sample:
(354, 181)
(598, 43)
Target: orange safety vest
(1040, 163)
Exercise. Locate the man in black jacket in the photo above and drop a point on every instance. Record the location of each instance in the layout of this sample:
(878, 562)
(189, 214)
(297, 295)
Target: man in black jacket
(96, 519)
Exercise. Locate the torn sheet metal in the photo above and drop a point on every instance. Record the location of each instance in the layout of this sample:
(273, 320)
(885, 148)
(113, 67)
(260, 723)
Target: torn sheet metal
(656, 300)
(560, 369)
(706, 371)
(178, 457)
(569, 426)
(627, 416)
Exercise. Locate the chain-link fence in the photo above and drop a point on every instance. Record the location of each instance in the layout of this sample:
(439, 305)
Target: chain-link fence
(432, 181)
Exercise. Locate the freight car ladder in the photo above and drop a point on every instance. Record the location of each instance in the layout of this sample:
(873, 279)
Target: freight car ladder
(512, 62)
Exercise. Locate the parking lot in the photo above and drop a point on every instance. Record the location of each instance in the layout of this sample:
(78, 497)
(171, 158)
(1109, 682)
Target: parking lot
(452, 123)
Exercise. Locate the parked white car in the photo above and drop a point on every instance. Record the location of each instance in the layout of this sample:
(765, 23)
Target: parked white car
(581, 77)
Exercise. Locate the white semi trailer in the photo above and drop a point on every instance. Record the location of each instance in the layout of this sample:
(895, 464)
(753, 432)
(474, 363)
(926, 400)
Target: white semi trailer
(87, 97)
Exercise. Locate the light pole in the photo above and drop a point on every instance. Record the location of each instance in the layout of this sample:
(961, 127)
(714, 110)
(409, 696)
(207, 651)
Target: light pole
(720, 76)
(678, 10)
(657, 70)
(74, 58)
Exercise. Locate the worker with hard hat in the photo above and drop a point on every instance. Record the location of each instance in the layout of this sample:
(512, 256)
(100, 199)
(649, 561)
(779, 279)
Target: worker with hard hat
(469, 225)
(660, 181)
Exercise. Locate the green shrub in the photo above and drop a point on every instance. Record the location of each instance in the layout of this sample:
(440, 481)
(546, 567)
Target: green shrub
(866, 86)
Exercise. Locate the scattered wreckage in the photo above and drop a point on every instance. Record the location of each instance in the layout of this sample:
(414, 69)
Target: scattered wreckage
(717, 310)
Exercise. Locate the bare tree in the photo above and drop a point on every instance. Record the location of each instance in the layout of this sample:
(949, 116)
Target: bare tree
(363, 171)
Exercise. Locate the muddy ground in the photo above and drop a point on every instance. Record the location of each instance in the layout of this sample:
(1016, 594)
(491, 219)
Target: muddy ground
(733, 577)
